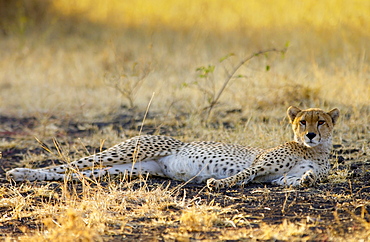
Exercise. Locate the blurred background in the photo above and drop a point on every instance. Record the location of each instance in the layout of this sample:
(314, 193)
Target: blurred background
(88, 59)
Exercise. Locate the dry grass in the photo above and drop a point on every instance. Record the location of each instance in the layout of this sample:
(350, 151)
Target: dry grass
(85, 216)
(97, 213)
(84, 60)
(77, 61)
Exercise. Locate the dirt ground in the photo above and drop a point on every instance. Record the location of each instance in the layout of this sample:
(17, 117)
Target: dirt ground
(339, 206)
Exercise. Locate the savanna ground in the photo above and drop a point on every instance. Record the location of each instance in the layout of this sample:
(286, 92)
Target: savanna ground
(77, 77)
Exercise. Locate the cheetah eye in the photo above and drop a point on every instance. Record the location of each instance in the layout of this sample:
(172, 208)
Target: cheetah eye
(303, 122)
(321, 122)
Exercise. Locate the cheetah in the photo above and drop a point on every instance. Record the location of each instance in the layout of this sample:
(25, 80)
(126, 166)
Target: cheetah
(301, 162)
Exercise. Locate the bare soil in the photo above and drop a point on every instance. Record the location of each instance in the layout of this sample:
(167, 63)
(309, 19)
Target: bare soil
(333, 207)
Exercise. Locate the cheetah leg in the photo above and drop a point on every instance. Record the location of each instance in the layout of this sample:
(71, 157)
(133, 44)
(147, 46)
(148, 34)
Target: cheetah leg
(137, 149)
(307, 179)
(139, 168)
(26, 174)
(22, 174)
(242, 177)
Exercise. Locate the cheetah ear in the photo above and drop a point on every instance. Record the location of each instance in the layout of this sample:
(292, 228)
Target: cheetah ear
(293, 112)
(334, 114)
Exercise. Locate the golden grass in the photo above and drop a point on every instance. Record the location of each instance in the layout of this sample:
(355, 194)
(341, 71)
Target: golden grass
(67, 62)
(220, 15)
(69, 67)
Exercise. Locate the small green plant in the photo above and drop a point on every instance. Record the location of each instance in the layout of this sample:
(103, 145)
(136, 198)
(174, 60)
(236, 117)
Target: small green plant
(206, 80)
(206, 84)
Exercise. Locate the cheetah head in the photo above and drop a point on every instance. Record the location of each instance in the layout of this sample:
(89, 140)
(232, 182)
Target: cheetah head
(312, 126)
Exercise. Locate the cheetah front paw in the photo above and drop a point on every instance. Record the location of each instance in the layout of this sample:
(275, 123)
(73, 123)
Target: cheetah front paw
(214, 184)
(308, 179)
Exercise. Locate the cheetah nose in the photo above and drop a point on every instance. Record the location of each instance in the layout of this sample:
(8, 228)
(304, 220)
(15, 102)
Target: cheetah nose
(310, 135)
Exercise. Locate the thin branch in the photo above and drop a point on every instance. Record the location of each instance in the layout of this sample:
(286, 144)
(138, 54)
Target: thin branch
(232, 73)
